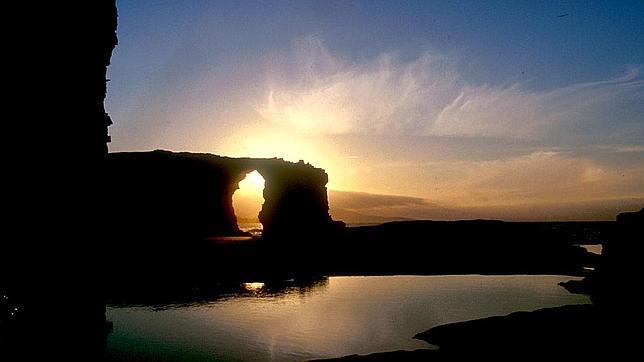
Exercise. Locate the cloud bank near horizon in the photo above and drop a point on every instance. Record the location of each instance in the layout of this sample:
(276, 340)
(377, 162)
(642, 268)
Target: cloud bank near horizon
(360, 207)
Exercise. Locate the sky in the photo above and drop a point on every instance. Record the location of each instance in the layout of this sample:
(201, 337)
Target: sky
(518, 110)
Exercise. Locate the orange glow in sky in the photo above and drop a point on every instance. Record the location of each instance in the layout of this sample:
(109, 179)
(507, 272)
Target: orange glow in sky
(248, 199)
(407, 123)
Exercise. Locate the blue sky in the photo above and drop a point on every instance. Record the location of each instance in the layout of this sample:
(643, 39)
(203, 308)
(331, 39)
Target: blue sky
(500, 39)
(455, 95)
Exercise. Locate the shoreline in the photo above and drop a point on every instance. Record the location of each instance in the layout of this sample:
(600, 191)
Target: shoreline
(559, 331)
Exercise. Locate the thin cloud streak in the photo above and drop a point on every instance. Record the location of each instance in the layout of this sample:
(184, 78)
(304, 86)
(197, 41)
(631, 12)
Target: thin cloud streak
(326, 94)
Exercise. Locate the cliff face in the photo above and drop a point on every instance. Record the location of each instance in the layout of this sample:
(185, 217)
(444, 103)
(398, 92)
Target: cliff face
(164, 194)
(102, 49)
(619, 268)
(611, 285)
(56, 100)
(295, 197)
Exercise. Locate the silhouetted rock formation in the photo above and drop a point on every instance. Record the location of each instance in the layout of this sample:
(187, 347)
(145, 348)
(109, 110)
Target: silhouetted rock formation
(189, 196)
(620, 266)
(461, 247)
(610, 285)
(163, 204)
(95, 90)
(567, 331)
(420, 247)
(574, 331)
(52, 260)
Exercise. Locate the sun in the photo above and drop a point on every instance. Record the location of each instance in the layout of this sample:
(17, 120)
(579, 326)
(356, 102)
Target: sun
(290, 146)
(253, 180)
(249, 197)
(252, 185)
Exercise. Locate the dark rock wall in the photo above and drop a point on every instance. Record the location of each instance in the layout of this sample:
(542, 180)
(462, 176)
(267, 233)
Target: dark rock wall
(612, 286)
(101, 49)
(295, 197)
(82, 82)
(52, 262)
(188, 195)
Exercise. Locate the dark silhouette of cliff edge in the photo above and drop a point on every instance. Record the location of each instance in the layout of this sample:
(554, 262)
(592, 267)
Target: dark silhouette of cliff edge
(463, 247)
(166, 208)
(52, 254)
(610, 285)
(163, 206)
(161, 194)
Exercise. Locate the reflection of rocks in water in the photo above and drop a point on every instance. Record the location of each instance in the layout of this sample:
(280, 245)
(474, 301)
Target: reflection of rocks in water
(285, 287)
(204, 294)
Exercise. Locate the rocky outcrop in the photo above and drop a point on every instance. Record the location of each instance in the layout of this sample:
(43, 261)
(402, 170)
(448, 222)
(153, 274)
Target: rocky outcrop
(458, 247)
(611, 286)
(549, 329)
(96, 88)
(189, 195)
(53, 262)
(575, 332)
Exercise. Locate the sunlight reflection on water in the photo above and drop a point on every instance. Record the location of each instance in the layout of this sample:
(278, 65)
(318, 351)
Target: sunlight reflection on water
(593, 248)
(329, 318)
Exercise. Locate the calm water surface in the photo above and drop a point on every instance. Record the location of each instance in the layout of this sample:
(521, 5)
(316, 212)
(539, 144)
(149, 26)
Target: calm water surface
(330, 318)
(593, 248)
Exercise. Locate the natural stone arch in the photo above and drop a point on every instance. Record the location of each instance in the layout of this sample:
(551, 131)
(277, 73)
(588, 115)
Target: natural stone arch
(162, 194)
(247, 201)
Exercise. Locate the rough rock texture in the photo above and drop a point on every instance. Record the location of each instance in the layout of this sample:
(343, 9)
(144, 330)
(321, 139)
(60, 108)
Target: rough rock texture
(188, 195)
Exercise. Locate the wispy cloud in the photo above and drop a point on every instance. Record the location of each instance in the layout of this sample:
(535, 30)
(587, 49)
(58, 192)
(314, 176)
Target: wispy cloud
(315, 91)
(516, 112)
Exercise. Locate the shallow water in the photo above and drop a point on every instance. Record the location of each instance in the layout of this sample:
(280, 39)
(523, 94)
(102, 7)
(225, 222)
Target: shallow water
(330, 318)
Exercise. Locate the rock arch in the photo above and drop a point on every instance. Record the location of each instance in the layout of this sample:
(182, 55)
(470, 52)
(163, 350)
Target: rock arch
(189, 195)
(248, 200)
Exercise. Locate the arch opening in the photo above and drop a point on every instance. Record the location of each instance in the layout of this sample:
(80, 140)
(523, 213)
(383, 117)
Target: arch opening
(247, 203)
